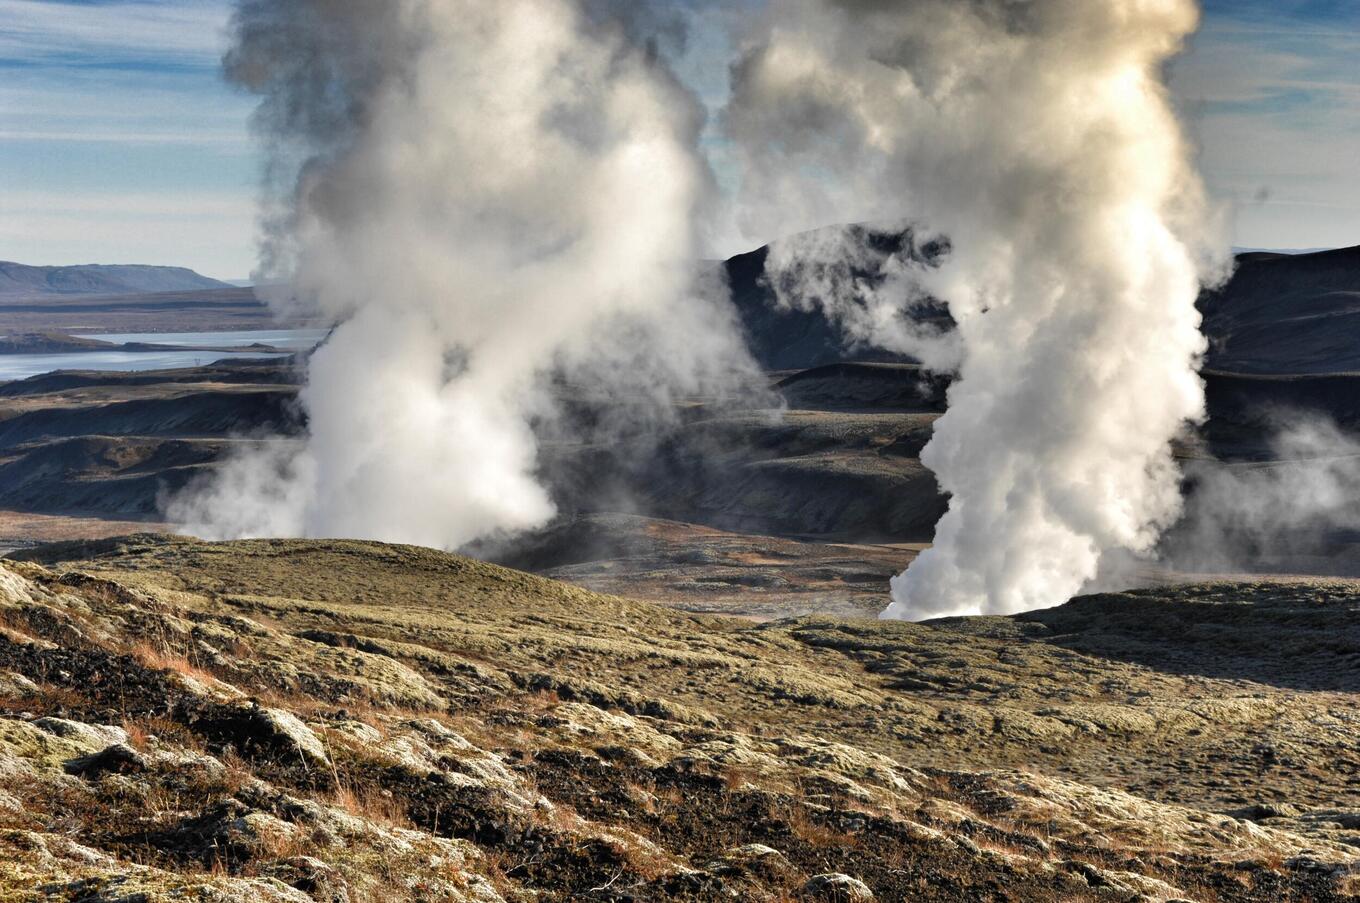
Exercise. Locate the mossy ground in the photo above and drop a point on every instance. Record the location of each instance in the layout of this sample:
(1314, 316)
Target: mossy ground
(343, 720)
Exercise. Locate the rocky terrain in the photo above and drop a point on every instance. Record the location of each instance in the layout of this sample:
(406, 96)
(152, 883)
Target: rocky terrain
(295, 721)
(106, 445)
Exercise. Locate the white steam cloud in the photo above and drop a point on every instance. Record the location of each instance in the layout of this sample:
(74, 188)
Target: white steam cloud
(867, 280)
(483, 196)
(1038, 137)
(1291, 512)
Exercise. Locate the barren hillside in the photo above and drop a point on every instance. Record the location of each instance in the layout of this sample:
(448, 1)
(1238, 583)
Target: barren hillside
(344, 721)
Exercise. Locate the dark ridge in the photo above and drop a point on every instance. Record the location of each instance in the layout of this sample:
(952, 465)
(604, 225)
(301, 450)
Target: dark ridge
(254, 372)
(792, 338)
(1287, 313)
(197, 414)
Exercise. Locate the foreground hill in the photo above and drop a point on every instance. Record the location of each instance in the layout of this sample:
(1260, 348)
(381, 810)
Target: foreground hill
(293, 721)
(98, 279)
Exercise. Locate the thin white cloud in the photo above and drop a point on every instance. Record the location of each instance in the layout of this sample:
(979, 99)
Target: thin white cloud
(130, 204)
(58, 96)
(174, 32)
(1273, 105)
(227, 140)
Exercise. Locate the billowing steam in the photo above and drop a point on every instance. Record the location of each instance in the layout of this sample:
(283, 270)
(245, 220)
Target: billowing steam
(484, 196)
(494, 199)
(867, 280)
(1290, 512)
(1038, 137)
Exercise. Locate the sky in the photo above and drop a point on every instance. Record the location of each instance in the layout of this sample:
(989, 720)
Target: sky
(119, 142)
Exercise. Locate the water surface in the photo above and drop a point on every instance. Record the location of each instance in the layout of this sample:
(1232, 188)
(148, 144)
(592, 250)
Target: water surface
(22, 366)
(289, 339)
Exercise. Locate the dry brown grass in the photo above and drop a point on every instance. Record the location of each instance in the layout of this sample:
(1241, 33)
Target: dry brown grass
(370, 803)
(640, 862)
(48, 700)
(160, 660)
(642, 797)
(815, 834)
(560, 818)
(57, 527)
(540, 701)
(736, 777)
(671, 795)
(138, 736)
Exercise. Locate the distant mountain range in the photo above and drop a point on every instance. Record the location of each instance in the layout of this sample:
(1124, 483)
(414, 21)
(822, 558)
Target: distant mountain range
(21, 280)
(1281, 313)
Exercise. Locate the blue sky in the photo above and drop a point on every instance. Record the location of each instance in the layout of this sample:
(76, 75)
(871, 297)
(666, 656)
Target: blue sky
(119, 143)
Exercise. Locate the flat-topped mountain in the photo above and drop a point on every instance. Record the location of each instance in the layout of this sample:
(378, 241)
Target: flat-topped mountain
(21, 280)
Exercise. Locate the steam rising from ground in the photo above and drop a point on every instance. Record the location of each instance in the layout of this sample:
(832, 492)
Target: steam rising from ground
(1283, 513)
(481, 195)
(488, 197)
(867, 280)
(1039, 138)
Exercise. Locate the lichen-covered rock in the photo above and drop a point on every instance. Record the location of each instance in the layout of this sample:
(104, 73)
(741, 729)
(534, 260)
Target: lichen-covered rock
(28, 749)
(44, 867)
(16, 685)
(257, 730)
(313, 877)
(836, 888)
(757, 860)
(88, 735)
(587, 724)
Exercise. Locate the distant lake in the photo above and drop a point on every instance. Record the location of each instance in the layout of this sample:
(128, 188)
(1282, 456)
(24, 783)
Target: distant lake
(291, 339)
(22, 366)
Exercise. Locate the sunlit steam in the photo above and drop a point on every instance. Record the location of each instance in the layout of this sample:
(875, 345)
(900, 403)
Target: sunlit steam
(1038, 137)
(480, 194)
(1283, 513)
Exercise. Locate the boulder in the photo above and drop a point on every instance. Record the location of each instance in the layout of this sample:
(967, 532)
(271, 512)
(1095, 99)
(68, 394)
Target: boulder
(836, 888)
(263, 732)
(116, 759)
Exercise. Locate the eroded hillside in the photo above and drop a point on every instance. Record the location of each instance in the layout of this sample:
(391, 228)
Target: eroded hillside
(284, 720)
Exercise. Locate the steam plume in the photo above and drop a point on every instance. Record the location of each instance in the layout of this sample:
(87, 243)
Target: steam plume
(1285, 513)
(480, 194)
(1039, 138)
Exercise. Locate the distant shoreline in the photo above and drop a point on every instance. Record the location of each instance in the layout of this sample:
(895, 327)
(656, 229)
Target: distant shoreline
(62, 343)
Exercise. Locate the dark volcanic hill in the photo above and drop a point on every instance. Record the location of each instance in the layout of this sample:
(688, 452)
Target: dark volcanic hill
(17, 279)
(1278, 314)
(786, 328)
(1287, 313)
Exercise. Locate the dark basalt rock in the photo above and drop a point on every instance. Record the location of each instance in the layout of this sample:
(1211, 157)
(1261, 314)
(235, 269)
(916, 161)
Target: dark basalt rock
(117, 759)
